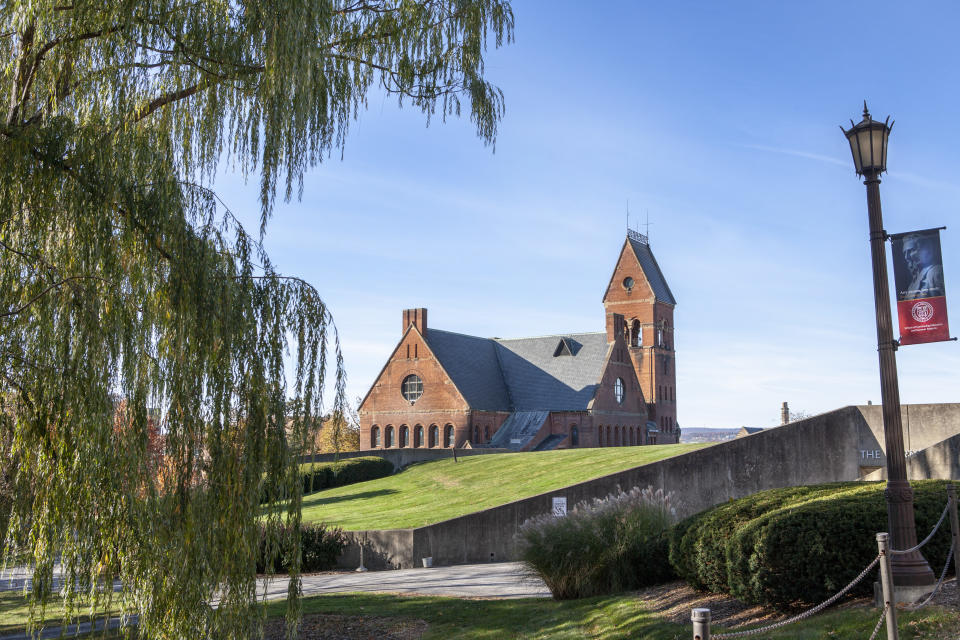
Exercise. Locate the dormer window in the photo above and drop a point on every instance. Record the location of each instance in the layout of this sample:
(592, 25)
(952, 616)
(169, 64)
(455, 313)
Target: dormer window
(564, 348)
(628, 283)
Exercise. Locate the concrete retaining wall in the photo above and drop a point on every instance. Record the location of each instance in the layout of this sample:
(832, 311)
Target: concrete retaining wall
(825, 448)
(938, 462)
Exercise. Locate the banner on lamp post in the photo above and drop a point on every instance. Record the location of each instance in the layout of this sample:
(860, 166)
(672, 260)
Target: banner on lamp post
(921, 296)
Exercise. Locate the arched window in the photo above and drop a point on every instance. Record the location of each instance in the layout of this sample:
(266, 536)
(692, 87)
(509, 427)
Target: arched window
(618, 390)
(600, 435)
(404, 436)
(574, 436)
(616, 436)
(609, 436)
(636, 334)
(375, 437)
(448, 436)
(434, 436)
(388, 437)
(476, 434)
(418, 436)
(486, 433)
(633, 436)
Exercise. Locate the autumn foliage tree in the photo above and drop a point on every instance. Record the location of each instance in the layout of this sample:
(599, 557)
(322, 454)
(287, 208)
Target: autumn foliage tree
(122, 275)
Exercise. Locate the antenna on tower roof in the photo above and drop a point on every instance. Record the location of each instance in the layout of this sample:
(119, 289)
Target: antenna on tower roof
(647, 225)
(628, 214)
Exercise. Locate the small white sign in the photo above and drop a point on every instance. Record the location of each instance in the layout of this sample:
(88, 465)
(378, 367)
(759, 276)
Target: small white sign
(560, 506)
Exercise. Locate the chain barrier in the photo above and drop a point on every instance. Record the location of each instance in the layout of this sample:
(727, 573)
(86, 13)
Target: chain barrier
(943, 574)
(876, 629)
(806, 614)
(936, 527)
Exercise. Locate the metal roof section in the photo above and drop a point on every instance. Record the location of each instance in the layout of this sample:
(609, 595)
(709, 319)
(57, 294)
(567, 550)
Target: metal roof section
(641, 249)
(472, 364)
(539, 381)
(518, 430)
(550, 442)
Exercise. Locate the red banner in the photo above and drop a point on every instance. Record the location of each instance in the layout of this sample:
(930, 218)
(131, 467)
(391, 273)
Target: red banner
(923, 320)
(921, 295)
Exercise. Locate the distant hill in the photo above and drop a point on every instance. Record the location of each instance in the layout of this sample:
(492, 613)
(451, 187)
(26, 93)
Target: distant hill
(705, 434)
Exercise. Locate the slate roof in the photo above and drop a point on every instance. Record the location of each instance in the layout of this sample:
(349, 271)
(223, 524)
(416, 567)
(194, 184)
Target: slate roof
(522, 374)
(652, 270)
(539, 380)
(473, 366)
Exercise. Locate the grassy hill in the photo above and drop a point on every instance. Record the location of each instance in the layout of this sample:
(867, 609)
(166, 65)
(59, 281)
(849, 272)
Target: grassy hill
(434, 491)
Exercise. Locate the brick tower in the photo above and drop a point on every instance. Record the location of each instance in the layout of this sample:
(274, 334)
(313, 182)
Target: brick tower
(638, 291)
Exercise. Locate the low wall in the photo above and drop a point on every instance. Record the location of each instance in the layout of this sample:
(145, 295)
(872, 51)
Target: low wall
(826, 448)
(938, 462)
(402, 457)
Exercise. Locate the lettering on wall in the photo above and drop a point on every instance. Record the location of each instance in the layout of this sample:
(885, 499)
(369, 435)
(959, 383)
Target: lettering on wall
(871, 454)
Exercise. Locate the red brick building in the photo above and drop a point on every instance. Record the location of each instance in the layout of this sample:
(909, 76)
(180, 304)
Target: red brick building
(611, 388)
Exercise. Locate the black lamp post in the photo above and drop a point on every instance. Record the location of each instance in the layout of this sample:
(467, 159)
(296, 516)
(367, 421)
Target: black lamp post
(868, 143)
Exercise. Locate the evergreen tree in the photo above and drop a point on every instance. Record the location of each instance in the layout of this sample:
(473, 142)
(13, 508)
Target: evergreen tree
(143, 332)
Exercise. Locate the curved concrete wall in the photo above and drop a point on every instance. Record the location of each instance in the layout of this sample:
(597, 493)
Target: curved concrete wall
(826, 448)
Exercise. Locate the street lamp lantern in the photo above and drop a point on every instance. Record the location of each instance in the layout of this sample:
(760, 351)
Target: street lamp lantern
(911, 573)
(868, 143)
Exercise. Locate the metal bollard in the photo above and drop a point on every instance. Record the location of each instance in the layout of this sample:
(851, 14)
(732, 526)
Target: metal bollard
(955, 532)
(886, 581)
(701, 624)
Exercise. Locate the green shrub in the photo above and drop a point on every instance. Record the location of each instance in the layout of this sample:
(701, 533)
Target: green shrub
(319, 547)
(317, 476)
(354, 470)
(795, 547)
(601, 546)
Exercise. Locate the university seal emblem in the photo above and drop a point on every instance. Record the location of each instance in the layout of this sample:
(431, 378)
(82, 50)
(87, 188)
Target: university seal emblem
(922, 311)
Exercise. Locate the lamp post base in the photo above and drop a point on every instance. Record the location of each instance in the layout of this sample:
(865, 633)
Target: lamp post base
(911, 569)
(902, 595)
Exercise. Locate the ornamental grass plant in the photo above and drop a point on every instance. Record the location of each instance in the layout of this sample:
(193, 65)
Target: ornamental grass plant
(602, 546)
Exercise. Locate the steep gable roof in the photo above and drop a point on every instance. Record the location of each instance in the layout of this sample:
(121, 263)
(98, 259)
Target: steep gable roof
(539, 380)
(472, 364)
(523, 374)
(641, 249)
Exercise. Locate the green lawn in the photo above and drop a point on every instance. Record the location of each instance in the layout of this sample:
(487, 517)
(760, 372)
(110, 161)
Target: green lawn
(434, 491)
(613, 617)
(15, 610)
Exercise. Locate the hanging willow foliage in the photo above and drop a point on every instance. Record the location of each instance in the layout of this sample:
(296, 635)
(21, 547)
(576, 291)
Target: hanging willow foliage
(144, 335)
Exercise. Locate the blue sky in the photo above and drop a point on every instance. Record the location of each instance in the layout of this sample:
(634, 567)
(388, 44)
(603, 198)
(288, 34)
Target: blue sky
(719, 121)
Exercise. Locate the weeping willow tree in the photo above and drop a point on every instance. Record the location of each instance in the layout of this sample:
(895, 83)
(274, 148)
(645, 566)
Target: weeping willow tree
(157, 375)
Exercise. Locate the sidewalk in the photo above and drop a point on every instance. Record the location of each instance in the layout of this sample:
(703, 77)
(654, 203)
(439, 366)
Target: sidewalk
(493, 580)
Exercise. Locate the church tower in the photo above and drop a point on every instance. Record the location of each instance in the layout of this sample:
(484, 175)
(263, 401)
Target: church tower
(639, 292)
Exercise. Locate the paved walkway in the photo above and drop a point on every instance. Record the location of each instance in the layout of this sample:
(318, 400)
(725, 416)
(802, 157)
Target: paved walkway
(493, 580)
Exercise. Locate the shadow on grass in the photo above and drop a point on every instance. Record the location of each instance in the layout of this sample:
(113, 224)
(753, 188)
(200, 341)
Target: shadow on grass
(363, 495)
(616, 617)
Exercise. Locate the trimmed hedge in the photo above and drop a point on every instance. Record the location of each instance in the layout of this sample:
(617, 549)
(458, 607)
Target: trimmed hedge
(325, 475)
(319, 547)
(798, 546)
(317, 476)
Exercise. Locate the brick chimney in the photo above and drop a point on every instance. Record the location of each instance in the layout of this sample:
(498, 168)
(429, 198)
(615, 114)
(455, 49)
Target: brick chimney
(416, 317)
(784, 413)
(615, 326)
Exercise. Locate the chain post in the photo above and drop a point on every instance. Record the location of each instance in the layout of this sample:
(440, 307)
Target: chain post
(701, 624)
(886, 581)
(955, 532)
